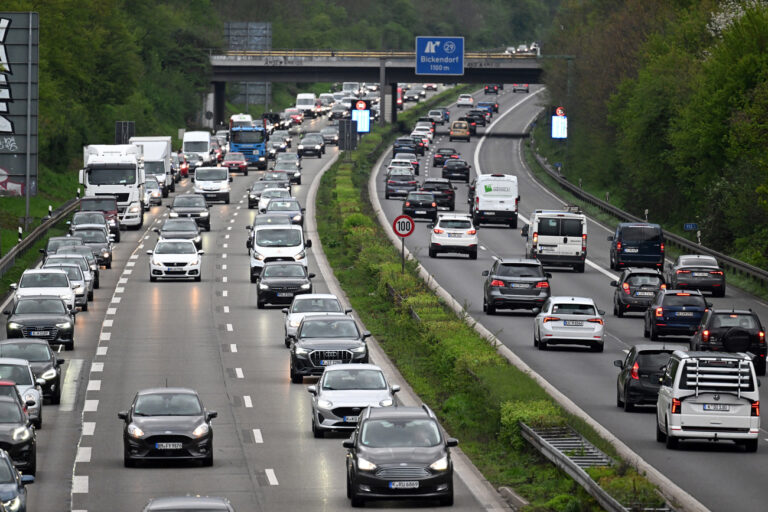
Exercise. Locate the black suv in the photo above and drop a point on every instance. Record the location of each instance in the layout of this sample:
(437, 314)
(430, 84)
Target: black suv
(636, 289)
(676, 312)
(192, 206)
(640, 375)
(420, 204)
(637, 244)
(491, 89)
(445, 193)
(399, 452)
(732, 330)
(456, 170)
(515, 283)
(323, 341)
(442, 155)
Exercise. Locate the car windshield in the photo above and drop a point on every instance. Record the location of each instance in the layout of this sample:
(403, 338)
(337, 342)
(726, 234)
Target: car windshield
(16, 373)
(520, 271)
(180, 225)
(72, 260)
(187, 201)
(283, 206)
(118, 176)
(88, 218)
(9, 412)
(436, 186)
(275, 192)
(167, 404)
(455, 224)
(287, 157)
(278, 237)
(102, 205)
(7, 475)
(284, 271)
(33, 352)
(684, 299)
(740, 320)
(420, 197)
(266, 219)
(39, 306)
(313, 305)
(641, 234)
(73, 272)
(216, 174)
(644, 280)
(318, 328)
(44, 280)
(54, 245)
(92, 236)
(459, 126)
(151, 184)
(175, 248)
(287, 165)
(234, 157)
(260, 185)
(80, 250)
(570, 308)
(705, 261)
(196, 146)
(275, 176)
(353, 379)
(154, 168)
(401, 176)
(653, 359)
(414, 433)
(329, 131)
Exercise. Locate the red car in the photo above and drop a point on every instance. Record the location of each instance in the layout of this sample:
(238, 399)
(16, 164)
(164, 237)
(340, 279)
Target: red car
(236, 162)
(180, 162)
(295, 114)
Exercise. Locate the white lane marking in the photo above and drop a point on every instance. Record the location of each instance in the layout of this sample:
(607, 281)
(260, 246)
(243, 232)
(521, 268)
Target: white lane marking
(122, 280)
(241, 202)
(80, 484)
(119, 289)
(115, 300)
(232, 221)
(224, 279)
(89, 427)
(271, 477)
(111, 311)
(226, 237)
(97, 367)
(83, 454)
(146, 237)
(257, 436)
(482, 248)
(134, 256)
(224, 293)
(226, 309)
(239, 373)
(94, 385)
(69, 389)
(108, 322)
(224, 266)
(229, 328)
(235, 214)
(229, 228)
(225, 246)
(247, 401)
(105, 336)
(127, 272)
(233, 348)
(130, 264)
(91, 406)
(224, 256)
(101, 351)
(141, 246)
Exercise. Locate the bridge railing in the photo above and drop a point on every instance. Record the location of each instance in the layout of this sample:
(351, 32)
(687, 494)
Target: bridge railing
(330, 53)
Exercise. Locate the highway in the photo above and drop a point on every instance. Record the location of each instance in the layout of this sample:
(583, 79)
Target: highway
(720, 475)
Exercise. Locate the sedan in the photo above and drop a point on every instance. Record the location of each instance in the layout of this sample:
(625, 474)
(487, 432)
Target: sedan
(309, 304)
(13, 485)
(291, 169)
(272, 193)
(280, 281)
(20, 372)
(569, 321)
(167, 423)
(43, 361)
(465, 100)
(191, 206)
(175, 259)
(87, 219)
(80, 261)
(399, 183)
(180, 229)
(442, 155)
(696, 272)
(17, 437)
(45, 318)
(456, 170)
(99, 241)
(236, 162)
(287, 207)
(311, 145)
(420, 204)
(640, 374)
(330, 135)
(344, 392)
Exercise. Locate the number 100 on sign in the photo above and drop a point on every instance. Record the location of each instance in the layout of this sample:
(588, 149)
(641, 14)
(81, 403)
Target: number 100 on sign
(403, 226)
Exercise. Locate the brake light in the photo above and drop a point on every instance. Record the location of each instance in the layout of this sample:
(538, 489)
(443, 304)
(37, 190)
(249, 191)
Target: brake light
(390, 182)
(761, 336)
(550, 319)
(625, 287)
(705, 335)
(454, 156)
(583, 243)
(634, 374)
(595, 320)
(683, 294)
(434, 204)
(618, 246)
(717, 272)
(497, 282)
(407, 203)
(535, 238)
(756, 408)
(659, 312)
(542, 284)
(450, 132)
(675, 406)
(663, 286)
(438, 231)
(683, 272)
(662, 247)
(472, 232)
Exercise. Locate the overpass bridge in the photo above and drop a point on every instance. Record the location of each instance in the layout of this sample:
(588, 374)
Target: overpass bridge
(383, 67)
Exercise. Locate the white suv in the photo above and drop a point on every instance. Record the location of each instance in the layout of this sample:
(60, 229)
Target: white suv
(465, 100)
(709, 396)
(453, 232)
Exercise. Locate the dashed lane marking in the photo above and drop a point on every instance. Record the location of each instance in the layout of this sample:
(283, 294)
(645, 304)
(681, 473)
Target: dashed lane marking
(83, 454)
(97, 367)
(108, 322)
(91, 406)
(94, 385)
(122, 280)
(119, 289)
(115, 300)
(224, 279)
(229, 328)
(271, 477)
(233, 348)
(247, 402)
(101, 351)
(89, 427)
(257, 436)
(224, 293)
(80, 484)
(239, 373)
(111, 311)
(105, 336)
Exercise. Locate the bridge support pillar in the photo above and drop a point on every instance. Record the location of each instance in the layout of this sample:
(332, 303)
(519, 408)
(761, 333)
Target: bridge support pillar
(382, 88)
(219, 103)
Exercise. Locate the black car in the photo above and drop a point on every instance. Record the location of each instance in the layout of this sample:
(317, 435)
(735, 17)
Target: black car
(191, 206)
(41, 317)
(445, 193)
(43, 361)
(478, 116)
(404, 145)
(292, 169)
(255, 190)
(411, 95)
(635, 289)
(311, 144)
(99, 241)
(321, 341)
(277, 179)
(191, 503)
(57, 242)
(515, 283)
(420, 147)
(491, 89)
(280, 281)
(185, 229)
(732, 330)
(86, 253)
(697, 272)
(444, 154)
(420, 204)
(471, 122)
(167, 423)
(17, 435)
(330, 135)
(290, 207)
(13, 485)
(456, 170)
(676, 312)
(338, 111)
(400, 453)
(640, 375)
(286, 136)
(277, 144)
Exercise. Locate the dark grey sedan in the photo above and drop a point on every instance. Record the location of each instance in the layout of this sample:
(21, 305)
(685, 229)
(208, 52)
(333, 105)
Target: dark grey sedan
(696, 272)
(185, 229)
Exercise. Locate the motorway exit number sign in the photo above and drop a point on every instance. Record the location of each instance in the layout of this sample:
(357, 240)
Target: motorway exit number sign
(439, 55)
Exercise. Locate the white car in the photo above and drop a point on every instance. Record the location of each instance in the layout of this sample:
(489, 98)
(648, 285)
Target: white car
(48, 281)
(175, 259)
(569, 321)
(272, 193)
(465, 100)
(309, 304)
(453, 232)
(423, 131)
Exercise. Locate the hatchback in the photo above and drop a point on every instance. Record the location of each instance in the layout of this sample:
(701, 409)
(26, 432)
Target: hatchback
(569, 321)
(635, 289)
(640, 374)
(420, 204)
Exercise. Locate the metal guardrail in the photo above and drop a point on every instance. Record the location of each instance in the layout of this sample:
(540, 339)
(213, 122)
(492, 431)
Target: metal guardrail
(726, 261)
(7, 261)
(359, 54)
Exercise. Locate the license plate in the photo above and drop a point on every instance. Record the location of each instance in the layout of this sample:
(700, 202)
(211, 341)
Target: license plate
(717, 407)
(285, 294)
(39, 333)
(404, 484)
(700, 274)
(168, 446)
(350, 419)
(518, 285)
(684, 313)
(329, 362)
(490, 213)
(573, 323)
(421, 212)
(643, 294)
(630, 249)
(401, 191)
(454, 235)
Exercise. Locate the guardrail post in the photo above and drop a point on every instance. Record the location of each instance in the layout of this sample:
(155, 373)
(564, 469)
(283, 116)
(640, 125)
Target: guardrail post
(78, 193)
(21, 236)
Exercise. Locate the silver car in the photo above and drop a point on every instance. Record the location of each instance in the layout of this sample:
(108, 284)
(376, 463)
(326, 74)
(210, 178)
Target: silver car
(309, 304)
(79, 260)
(76, 277)
(19, 372)
(343, 393)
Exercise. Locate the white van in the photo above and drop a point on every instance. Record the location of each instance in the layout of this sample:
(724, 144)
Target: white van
(198, 143)
(213, 183)
(496, 200)
(351, 88)
(276, 242)
(307, 103)
(557, 238)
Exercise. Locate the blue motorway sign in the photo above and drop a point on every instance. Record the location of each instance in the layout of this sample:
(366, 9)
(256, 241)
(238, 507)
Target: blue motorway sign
(690, 226)
(439, 55)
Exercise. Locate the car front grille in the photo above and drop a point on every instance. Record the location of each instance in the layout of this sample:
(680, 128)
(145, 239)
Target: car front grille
(347, 411)
(279, 258)
(53, 332)
(174, 264)
(286, 288)
(121, 198)
(406, 472)
(345, 356)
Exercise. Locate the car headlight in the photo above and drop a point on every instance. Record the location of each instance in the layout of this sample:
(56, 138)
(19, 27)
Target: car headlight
(440, 464)
(203, 214)
(197, 238)
(301, 351)
(386, 403)
(360, 349)
(49, 374)
(156, 194)
(324, 404)
(193, 263)
(80, 290)
(16, 326)
(301, 146)
(263, 286)
(173, 214)
(111, 221)
(297, 173)
(297, 217)
(300, 256)
(258, 255)
(261, 159)
(133, 209)
(32, 397)
(335, 137)
(254, 196)
(294, 323)
(201, 430)
(21, 434)
(12, 505)
(365, 465)
(135, 431)
(306, 286)
(317, 146)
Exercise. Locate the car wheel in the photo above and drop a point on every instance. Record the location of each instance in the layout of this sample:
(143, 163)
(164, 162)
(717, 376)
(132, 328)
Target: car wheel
(128, 462)
(85, 306)
(208, 461)
(295, 377)
(654, 334)
(611, 264)
(109, 264)
(513, 224)
(349, 487)
(226, 201)
(672, 442)
(316, 432)
(32, 469)
(208, 227)
(357, 501)
(432, 253)
(645, 330)
(618, 311)
(96, 283)
(152, 279)
(56, 399)
(245, 173)
(619, 403)
(298, 182)
(386, 195)
(660, 436)
(628, 406)
(491, 310)
(598, 347)
(473, 255)
(38, 423)
(579, 268)
(259, 304)
(760, 368)
(535, 340)
(90, 294)
(70, 345)
(750, 445)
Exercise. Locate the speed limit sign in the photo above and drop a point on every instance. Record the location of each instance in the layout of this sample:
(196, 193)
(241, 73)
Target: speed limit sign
(403, 226)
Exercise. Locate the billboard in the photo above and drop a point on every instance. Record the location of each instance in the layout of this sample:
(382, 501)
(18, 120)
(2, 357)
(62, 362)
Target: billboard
(19, 37)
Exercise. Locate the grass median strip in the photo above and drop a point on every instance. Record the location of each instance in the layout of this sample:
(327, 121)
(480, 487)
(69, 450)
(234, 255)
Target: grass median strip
(478, 395)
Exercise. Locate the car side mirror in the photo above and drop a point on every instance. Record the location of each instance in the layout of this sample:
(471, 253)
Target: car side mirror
(40, 382)
(485, 273)
(42, 251)
(60, 362)
(167, 206)
(7, 312)
(311, 275)
(27, 479)
(150, 252)
(601, 312)
(614, 283)
(307, 243)
(618, 363)
(192, 179)
(30, 403)
(609, 238)
(524, 231)
(248, 228)
(284, 311)
(395, 388)
(231, 179)
(347, 311)
(201, 252)
(366, 334)
(211, 414)
(156, 230)
(303, 210)
(312, 390)
(349, 443)
(111, 238)
(451, 442)
(431, 225)
(123, 415)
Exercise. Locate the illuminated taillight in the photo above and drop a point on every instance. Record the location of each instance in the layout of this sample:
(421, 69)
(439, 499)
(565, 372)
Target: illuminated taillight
(716, 272)
(596, 320)
(434, 204)
(625, 287)
(584, 243)
(662, 247)
(659, 312)
(497, 282)
(705, 335)
(683, 272)
(756, 408)
(542, 284)
(663, 286)
(761, 336)
(472, 232)
(550, 319)
(450, 132)
(535, 238)
(407, 203)
(438, 231)
(390, 182)
(634, 374)
(618, 246)
(675, 406)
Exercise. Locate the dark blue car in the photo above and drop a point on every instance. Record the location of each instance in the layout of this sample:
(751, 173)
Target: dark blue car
(637, 244)
(675, 312)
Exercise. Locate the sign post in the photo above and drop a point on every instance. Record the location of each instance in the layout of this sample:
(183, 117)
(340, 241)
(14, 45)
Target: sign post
(439, 55)
(403, 226)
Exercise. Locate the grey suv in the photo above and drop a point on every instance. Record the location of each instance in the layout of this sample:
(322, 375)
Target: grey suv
(324, 341)
(515, 283)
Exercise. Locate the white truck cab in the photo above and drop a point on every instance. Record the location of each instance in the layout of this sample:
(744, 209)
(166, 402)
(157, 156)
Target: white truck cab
(198, 143)
(157, 160)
